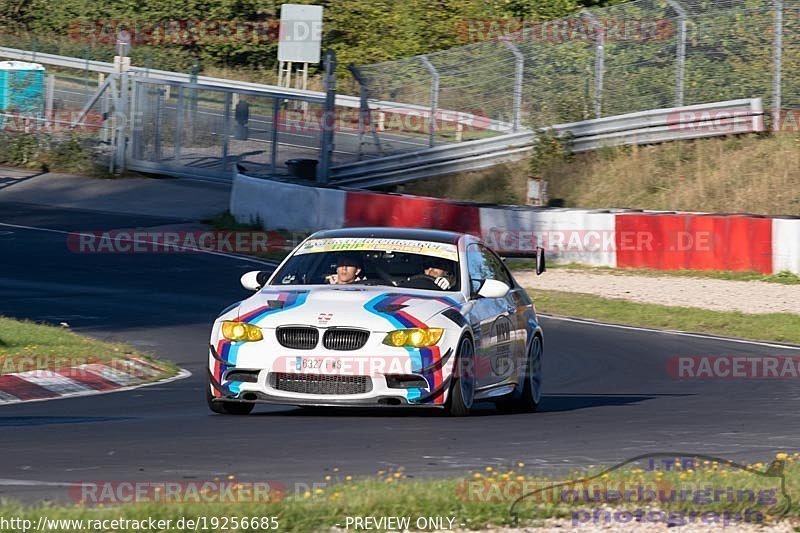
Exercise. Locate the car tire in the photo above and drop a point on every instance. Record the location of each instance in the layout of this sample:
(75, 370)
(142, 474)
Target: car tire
(462, 385)
(527, 399)
(227, 408)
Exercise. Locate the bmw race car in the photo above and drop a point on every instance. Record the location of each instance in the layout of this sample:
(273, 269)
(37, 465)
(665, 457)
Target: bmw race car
(380, 317)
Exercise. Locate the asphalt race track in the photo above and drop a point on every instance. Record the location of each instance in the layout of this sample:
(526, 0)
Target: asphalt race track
(608, 395)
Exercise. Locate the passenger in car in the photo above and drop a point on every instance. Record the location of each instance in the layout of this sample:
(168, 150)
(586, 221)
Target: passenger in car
(435, 274)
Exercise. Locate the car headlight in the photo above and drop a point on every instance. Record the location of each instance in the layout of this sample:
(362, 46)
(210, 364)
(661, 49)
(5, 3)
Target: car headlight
(241, 331)
(414, 337)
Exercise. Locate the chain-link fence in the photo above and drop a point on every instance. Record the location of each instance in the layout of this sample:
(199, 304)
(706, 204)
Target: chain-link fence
(647, 54)
(636, 56)
(207, 131)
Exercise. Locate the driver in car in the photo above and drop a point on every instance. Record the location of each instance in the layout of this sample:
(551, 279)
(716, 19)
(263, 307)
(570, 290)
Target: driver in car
(348, 270)
(435, 271)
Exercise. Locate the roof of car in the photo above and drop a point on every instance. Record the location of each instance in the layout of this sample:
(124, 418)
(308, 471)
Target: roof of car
(416, 234)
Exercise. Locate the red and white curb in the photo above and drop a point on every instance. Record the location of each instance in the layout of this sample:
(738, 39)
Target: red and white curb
(81, 380)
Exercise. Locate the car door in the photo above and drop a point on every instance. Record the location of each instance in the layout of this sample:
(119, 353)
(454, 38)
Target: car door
(490, 320)
(516, 302)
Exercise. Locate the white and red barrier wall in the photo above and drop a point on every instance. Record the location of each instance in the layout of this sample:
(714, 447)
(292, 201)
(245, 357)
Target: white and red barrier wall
(614, 238)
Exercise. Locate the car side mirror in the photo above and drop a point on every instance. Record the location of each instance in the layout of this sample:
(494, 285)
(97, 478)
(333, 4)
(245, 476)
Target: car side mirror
(492, 288)
(540, 265)
(254, 280)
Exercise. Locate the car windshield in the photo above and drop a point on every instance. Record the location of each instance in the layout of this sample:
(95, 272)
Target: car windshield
(392, 262)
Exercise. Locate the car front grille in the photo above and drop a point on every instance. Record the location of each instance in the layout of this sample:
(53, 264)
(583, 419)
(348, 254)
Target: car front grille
(345, 339)
(320, 384)
(299, 338)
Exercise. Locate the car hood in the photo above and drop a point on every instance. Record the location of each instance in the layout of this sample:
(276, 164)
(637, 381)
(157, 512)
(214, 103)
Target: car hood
(373, 308)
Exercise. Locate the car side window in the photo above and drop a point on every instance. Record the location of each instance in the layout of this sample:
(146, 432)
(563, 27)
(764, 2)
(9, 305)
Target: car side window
(483, 264)
(496, 266)
(477, 267)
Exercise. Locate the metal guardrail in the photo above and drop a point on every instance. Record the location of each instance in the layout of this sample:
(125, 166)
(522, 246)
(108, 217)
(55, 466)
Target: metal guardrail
(671, 124)
(438, 154)
(58, 61)
(653, 126)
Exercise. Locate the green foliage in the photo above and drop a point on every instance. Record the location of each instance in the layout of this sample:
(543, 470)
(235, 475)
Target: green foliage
(64, 153)
(20, 150)
(549, 149)
(361, 31)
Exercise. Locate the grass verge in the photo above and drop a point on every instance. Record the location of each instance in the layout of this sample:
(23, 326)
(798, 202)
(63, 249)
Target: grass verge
(26, 345)
(783, 278)
(695, 488)
(777, 327)
(741, 174)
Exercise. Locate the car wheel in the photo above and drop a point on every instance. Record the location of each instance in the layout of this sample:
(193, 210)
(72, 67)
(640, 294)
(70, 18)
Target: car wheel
(462, 386)
(526, 399)
(227, 408)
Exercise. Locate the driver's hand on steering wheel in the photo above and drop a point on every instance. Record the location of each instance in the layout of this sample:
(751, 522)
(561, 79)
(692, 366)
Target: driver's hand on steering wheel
(442, 282)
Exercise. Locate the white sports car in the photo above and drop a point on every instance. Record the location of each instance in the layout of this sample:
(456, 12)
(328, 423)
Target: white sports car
(380, 317)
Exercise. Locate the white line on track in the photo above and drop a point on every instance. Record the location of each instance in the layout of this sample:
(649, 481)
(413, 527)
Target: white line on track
(147, 241)
(32, 483)
(670, 332)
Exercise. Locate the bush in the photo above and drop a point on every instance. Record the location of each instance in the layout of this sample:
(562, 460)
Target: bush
(49, 152)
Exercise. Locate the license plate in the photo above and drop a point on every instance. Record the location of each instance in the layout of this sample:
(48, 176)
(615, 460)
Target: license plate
(317, 363)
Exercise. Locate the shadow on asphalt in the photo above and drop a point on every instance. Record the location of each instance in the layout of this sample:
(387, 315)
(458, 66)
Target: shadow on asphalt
(566, 402)
(549, 404)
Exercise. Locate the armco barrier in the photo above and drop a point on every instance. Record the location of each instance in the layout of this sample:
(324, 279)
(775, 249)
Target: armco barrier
(695, 242)
(374, 209)
(656, 240)
(280, 205)
(786, 245)
(568, 235)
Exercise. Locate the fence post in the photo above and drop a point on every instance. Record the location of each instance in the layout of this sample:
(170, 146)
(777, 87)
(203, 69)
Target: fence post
(179, 125)
(157, 123)
(599, 62)
(777, 65)
(434, 99)
(48, 101)
(273, 149)
(519, 71)
(328, 118)
(226, 134)
(193, 96)
(122, 122)
(680, 52)
(364, 113)
(137, 141)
